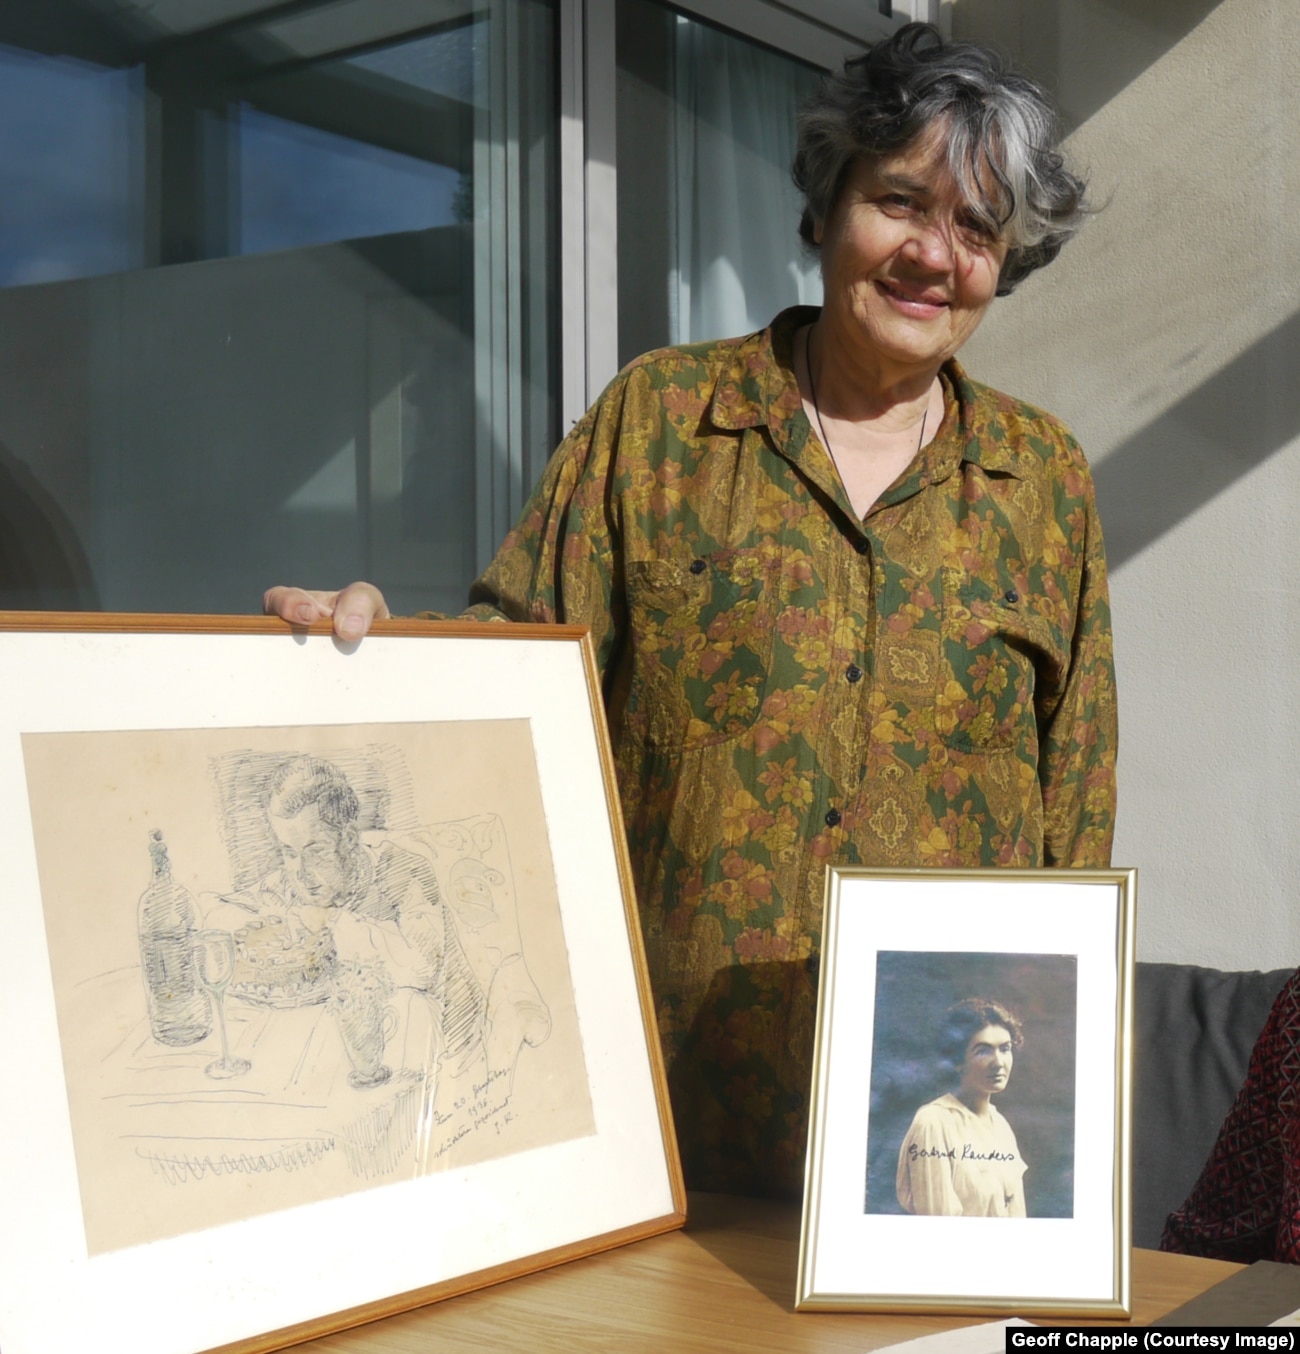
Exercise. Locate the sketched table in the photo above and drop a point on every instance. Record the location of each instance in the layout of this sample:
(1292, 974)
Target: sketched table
(291, 1107)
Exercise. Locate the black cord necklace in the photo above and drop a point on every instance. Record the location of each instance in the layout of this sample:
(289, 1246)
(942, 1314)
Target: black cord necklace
(812, 392)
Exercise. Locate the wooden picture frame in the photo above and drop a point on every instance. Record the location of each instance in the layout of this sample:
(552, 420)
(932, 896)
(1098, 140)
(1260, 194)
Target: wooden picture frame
(947, 996)
(323, 987)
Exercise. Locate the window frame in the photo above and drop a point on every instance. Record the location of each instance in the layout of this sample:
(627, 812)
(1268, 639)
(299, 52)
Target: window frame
(588, 176)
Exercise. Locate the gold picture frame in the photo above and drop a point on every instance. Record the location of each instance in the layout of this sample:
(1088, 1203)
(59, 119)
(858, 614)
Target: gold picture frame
(323, 990)
(947, 996)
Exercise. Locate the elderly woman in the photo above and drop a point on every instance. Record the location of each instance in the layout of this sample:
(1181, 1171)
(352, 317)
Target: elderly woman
(848, 604)
(960, 1157)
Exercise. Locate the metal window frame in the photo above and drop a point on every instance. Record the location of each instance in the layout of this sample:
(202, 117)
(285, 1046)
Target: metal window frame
(821, 32)
(588, 204)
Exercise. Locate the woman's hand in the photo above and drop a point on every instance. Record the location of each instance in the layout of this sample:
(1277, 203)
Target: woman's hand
(352, 608)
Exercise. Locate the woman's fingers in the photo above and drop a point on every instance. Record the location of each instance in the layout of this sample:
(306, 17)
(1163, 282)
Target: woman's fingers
(355, 607)
(352, 609)
(298, 606)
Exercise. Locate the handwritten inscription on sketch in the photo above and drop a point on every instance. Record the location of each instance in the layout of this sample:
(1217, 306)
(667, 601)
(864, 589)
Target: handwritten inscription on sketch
(294, 963)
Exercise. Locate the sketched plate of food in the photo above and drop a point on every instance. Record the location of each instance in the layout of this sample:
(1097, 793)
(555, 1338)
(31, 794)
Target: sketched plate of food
(282, 966)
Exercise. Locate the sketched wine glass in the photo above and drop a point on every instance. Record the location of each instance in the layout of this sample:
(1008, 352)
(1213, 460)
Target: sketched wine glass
(214, 959)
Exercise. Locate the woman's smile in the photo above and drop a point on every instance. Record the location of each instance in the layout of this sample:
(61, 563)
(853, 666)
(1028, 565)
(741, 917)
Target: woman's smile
(919, 302)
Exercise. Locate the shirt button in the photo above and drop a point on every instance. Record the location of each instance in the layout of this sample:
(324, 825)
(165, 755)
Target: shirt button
(862, 545)
(853, 672)
(833, 817)
(1011, 596)
(697, 566)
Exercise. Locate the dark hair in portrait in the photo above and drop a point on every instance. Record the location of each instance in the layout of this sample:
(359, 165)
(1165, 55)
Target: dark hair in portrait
(966, 1018)
(929, 1006)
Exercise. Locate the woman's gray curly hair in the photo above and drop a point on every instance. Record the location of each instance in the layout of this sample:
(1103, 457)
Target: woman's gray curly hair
(1000, 129)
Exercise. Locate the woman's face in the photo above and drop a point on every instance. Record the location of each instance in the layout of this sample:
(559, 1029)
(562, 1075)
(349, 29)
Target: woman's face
(987, 1068)
(907, 272)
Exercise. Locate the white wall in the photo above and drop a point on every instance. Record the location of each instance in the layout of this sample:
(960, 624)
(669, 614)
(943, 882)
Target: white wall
(1168, 336)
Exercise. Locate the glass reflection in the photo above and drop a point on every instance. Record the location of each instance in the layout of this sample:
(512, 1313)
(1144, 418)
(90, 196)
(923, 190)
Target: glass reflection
(252, 268)
(71, 148)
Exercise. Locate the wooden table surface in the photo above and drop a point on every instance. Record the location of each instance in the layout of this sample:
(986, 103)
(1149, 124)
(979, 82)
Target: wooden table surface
(723, 1286)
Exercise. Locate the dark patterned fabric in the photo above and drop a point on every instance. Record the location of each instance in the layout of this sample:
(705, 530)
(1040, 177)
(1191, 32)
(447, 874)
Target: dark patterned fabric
(1246, 1204)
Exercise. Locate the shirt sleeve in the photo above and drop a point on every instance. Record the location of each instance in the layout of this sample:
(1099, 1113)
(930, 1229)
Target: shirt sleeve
(1016, 1203)
(409, 948)
(1078, 732)
(559, 562)
(1243, 1206)
(924, 1183)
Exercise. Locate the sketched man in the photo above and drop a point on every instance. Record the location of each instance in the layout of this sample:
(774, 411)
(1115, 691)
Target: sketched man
(382, 901)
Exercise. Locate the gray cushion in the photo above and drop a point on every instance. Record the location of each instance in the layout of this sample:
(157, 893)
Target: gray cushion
(1193, 1032)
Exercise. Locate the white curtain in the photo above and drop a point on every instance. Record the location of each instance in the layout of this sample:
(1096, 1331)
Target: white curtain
(739, 259)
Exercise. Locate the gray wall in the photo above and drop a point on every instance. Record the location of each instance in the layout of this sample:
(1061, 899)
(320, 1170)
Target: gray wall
(1168, 336)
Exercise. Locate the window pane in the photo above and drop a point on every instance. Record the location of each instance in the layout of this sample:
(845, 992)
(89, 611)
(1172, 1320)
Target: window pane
(276, 298)
(71, 135)
(707, 218)
(301, 186)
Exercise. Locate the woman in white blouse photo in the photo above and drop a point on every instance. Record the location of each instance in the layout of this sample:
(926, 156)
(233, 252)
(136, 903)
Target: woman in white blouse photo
(960, 1157)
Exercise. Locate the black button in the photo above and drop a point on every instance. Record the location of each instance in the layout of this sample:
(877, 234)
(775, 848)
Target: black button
(814, 964)
(833, 817)
(698, 566)
(853, 672)
(862, 545)
(1011, 596)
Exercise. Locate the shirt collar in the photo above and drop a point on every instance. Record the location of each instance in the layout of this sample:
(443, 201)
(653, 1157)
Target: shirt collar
(758, 388)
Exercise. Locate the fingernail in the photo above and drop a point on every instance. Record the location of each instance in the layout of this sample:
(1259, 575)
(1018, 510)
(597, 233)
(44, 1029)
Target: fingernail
(306, 615)
(351, 627)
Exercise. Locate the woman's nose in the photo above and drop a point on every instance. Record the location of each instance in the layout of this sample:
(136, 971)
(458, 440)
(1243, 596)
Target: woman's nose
(931, 245)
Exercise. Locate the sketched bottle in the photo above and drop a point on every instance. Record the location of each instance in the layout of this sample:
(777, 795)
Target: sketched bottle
(178, 1008)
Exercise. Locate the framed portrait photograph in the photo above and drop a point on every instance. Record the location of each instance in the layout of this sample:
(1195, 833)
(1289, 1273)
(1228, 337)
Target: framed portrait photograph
(970, 1120)
(323, 990)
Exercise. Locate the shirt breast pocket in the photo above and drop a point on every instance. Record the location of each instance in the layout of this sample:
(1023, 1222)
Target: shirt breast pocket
(997, 653)
(702, 633)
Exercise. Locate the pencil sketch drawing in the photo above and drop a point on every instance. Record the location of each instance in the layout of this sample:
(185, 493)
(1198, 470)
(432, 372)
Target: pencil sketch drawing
(349, 999)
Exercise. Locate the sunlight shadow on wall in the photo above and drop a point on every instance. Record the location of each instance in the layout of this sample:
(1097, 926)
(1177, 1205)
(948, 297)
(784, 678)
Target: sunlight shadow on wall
(1219, 432)
(1056, 41)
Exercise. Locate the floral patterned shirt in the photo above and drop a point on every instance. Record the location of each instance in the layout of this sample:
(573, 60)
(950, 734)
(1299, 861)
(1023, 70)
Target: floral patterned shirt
(789, 686)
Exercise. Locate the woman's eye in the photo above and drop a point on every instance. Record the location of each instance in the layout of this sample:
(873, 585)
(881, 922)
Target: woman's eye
(976, 230)
(899, 201)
